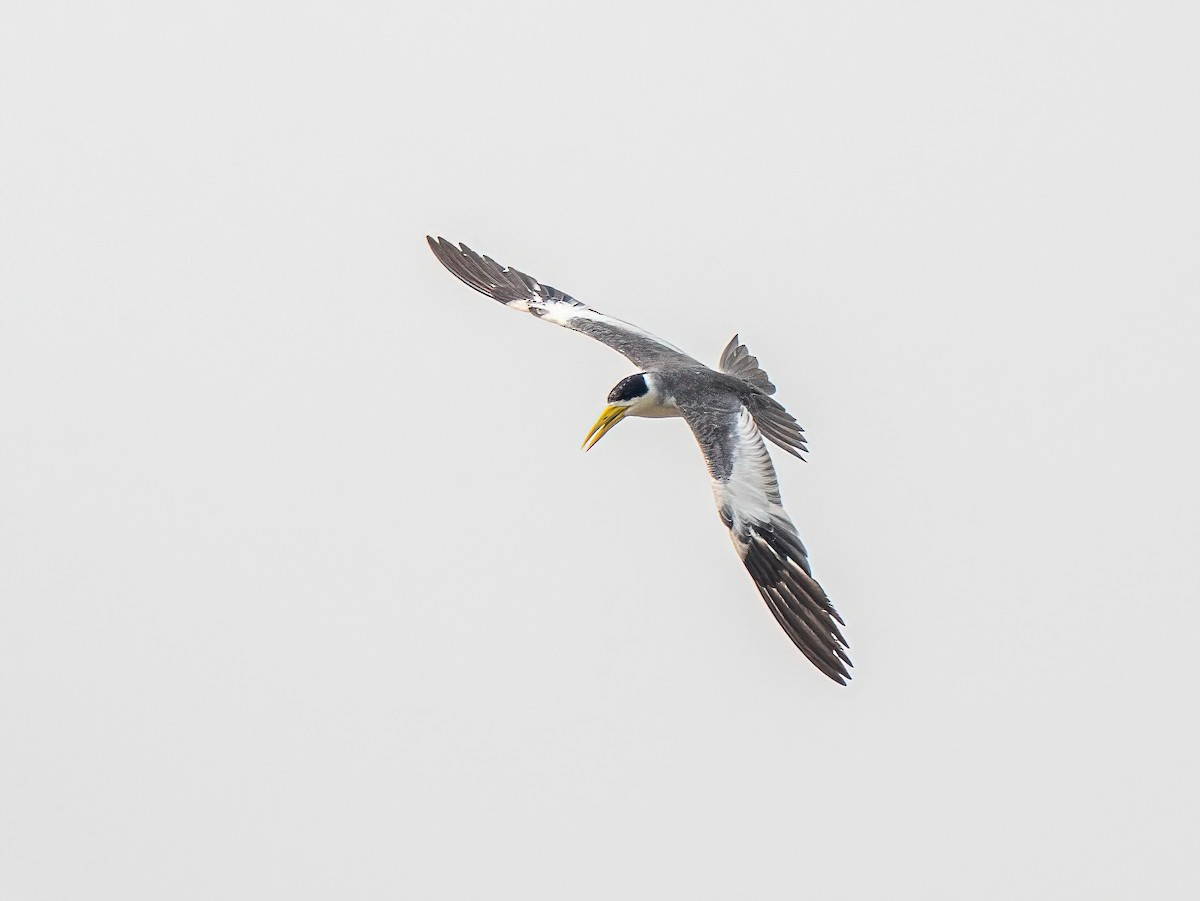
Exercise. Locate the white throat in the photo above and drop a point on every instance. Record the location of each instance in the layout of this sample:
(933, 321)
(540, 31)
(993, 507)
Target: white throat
(655, 403)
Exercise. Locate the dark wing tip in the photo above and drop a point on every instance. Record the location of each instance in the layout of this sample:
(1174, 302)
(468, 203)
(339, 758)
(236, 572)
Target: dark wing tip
(441, 247)
(794, 451)
(482, 273)
(800, 606)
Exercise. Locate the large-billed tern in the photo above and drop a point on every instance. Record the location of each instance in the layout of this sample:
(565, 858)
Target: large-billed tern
(730, 410)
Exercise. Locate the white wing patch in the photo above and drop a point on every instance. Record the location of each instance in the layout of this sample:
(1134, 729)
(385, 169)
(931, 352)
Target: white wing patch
(576, 316)
(765, 539)
(750, 497)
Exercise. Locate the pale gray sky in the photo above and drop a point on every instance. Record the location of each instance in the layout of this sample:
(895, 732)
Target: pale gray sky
(307, 592)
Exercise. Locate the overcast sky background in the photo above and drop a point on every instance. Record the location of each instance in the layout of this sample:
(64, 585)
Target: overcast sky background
(306, 590)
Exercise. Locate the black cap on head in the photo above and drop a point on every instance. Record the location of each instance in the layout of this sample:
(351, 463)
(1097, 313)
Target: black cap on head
(629, 389)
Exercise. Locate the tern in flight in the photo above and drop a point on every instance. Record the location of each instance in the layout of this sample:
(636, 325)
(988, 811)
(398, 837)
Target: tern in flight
(730, 410)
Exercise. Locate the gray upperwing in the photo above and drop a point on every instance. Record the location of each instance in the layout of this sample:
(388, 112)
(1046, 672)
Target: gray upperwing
(522, 292)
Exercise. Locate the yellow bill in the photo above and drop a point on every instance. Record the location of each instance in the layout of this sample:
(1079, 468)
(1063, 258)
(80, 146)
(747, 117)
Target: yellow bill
(610, 417)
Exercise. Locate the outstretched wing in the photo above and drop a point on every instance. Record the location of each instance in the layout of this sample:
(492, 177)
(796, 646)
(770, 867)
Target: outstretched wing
(747, 495)
(519, 291)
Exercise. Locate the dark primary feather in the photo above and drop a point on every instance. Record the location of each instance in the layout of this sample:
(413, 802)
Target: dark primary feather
(485, 275)
(777, 424)
(798, 603)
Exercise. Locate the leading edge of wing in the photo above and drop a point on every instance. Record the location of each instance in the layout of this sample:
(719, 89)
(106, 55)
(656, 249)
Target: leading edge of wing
(522, 292)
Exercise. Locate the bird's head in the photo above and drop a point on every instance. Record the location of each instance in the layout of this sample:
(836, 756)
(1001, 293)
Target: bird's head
(627, 398)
